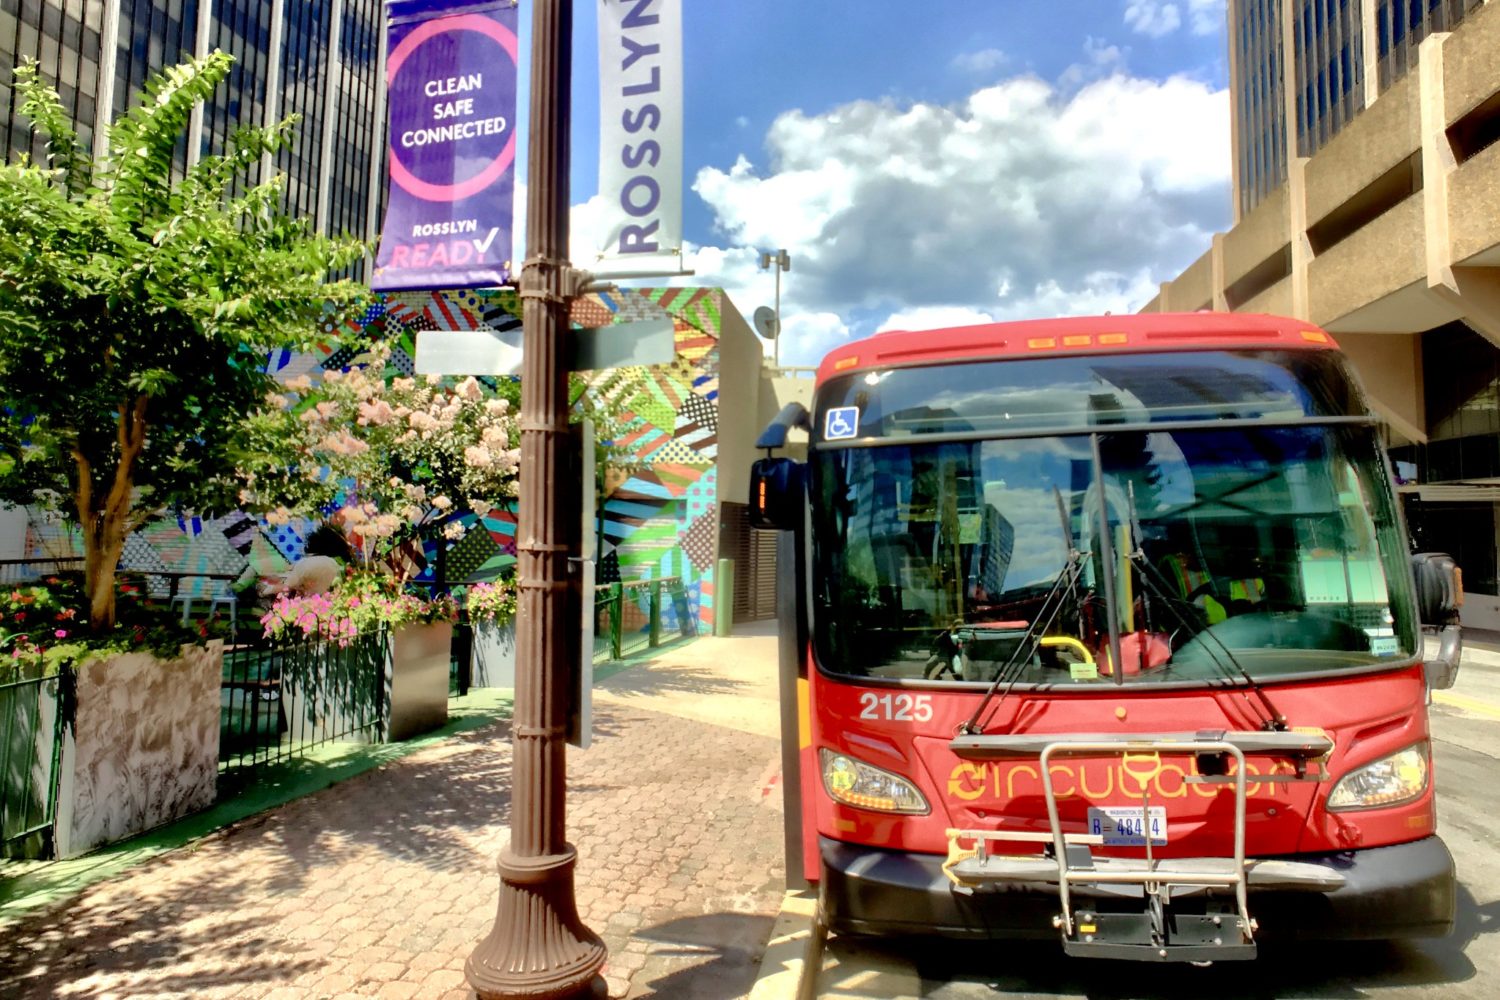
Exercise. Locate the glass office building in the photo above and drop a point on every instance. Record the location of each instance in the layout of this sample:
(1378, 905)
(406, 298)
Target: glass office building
(1387, 236)
(1260, 123)
(1328, 47)
(317, 59)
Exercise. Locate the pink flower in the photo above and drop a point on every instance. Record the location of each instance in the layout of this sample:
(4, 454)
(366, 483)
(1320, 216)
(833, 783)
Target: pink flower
(375, 411)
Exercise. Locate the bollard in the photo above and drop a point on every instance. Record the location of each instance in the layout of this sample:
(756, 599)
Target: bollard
(724, 598)
(616, 626)
(655, 613)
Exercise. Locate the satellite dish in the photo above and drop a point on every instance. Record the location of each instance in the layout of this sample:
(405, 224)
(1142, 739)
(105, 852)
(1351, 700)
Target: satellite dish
(765, 322)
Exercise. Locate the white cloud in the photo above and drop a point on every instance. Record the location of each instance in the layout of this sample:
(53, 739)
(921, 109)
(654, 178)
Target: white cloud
(1100, 60)
(980, 63)
(1207, 16)
(935, 318)
(1027, 199)
(1157, 18)
(1152, 17)
(806, 337)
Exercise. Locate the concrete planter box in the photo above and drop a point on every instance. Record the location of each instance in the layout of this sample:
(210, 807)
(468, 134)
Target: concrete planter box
(417, 679)
(494, 655)
(143, 749)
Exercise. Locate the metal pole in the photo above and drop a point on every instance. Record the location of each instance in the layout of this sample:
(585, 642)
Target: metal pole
(791, 642)
(724, 598)
(538, 947)
(776, 344)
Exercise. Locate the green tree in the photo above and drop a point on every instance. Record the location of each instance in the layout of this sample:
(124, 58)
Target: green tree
(138, 303)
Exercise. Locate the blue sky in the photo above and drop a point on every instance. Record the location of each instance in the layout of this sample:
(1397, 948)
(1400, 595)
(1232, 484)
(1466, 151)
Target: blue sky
(927, 164)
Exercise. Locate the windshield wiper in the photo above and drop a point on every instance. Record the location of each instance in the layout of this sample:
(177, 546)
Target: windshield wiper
(1273, 720)
(1052, 605)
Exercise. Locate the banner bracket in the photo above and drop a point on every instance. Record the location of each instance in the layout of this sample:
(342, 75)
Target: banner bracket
(552, 279)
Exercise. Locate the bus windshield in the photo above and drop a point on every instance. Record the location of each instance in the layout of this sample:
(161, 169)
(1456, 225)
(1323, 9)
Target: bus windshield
(1207, 551)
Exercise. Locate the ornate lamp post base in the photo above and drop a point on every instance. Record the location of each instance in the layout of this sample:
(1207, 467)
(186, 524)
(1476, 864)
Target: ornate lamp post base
(538, 948)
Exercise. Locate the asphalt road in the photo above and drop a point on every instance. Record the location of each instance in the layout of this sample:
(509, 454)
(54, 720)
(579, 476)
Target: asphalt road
(1466, 726)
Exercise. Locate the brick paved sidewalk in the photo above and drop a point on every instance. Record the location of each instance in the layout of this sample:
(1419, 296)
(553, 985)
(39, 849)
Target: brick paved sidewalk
(381, 886)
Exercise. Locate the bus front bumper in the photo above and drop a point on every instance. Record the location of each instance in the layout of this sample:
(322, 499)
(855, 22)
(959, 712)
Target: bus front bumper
(1402, 891)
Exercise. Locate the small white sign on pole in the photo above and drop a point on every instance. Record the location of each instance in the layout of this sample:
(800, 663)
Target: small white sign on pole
(468, 352)
(498, 352)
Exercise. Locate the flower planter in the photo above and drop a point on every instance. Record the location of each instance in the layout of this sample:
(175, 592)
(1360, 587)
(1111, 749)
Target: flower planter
(494, 655)
(143, 749)
(417, 679)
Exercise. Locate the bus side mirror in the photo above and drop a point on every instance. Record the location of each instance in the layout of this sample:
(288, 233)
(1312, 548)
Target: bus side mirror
(1440, 594)
(776, 493)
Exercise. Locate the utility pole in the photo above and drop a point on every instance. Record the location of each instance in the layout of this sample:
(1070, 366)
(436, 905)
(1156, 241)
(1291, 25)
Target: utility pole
(539, 948)
(781, 262)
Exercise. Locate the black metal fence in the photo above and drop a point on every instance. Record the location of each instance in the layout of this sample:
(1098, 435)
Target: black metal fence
(281, 700)
(31, 720)
(28, 570)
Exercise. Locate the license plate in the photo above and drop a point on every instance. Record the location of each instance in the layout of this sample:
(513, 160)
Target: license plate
(1124, 826)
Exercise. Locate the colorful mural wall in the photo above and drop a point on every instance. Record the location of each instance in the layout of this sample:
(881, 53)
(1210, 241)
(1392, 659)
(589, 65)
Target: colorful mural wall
(659, 515)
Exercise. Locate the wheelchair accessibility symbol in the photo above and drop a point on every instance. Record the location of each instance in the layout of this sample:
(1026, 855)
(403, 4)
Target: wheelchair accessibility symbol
(841, 422)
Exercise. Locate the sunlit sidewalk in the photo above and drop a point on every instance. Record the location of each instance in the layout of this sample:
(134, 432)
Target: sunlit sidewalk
(381, 886)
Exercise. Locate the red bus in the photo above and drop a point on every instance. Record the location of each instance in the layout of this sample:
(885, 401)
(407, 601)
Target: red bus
(1107, 628)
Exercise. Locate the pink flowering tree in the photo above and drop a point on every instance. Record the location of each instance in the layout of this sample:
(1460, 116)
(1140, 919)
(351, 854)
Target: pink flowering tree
(398, 457)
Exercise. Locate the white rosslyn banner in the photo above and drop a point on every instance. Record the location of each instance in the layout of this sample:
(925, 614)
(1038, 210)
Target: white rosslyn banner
(640, 136)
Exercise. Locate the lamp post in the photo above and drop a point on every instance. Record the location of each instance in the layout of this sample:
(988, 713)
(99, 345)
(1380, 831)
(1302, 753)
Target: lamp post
(538, 947)
(781, 262)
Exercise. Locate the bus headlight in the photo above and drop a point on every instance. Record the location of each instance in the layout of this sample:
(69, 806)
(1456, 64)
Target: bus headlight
(855, 783)
(1389, 781)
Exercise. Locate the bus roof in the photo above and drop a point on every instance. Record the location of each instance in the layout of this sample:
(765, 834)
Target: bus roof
(1140, 332)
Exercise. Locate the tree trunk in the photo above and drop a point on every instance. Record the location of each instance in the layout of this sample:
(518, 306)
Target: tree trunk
(104, 517)
(103, 544)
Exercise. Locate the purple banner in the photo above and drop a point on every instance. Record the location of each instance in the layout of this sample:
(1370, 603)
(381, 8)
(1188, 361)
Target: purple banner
(451, 70)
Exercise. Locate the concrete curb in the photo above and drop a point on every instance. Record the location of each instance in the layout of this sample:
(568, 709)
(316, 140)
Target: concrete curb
(789, 967)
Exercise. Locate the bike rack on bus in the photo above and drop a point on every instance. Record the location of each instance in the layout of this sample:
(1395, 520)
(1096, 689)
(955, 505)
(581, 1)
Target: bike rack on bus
(1091, 933)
